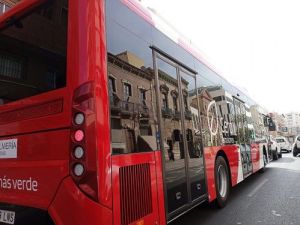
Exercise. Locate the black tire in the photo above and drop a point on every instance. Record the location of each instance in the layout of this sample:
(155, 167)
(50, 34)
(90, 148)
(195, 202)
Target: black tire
(280, 154)
(222, 182)
(262, 170)
(295, 152)
(275, 155)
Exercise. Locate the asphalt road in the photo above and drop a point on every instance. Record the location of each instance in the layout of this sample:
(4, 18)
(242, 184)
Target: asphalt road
(269, 198)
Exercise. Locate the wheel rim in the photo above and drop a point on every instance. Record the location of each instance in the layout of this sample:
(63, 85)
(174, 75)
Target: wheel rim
(222, 181)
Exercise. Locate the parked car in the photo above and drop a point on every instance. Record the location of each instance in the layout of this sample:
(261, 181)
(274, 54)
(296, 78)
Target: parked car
(296, 146)
(274, 147)
(284, 144)
(274, 150)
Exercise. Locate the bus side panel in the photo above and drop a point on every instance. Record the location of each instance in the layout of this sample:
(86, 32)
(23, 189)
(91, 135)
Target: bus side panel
(102, 107)
(79, 209)
(32, 177)
(134, 179)
(232, 154)
(257, 157)
(160, 188)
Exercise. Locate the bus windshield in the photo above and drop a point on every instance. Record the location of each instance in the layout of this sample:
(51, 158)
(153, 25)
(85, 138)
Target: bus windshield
(33, 53)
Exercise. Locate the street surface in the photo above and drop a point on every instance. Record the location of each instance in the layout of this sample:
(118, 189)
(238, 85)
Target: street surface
(269, 198)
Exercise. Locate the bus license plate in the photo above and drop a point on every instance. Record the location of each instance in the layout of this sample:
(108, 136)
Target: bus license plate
(7, 217)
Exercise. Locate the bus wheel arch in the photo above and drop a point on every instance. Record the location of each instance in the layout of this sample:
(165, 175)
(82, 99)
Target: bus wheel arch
(222, 179)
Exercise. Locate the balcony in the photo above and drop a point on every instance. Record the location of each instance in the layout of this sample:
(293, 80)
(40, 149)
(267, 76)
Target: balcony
(166, 113)
(127, 109)
(176, 115)
(115, 107)
(143, 110)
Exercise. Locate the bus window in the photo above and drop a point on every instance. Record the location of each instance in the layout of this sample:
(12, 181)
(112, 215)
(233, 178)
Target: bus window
(131, 93)
(33, 54)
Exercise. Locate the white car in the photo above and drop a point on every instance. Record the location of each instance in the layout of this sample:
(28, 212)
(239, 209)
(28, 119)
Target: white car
(275, 148)
(296, 146)
(284, 144)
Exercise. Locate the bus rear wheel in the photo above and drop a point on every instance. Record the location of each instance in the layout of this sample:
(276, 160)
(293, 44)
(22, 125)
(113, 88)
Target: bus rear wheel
(263, 169)
(275, 155)
(222, 182)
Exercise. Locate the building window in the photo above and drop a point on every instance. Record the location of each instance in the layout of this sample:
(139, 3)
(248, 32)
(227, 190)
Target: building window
(185, 100)
(164, 91)
(10, 66)
(174, 95)
(127, 91)
(112, 85)
(142, 96)
(4, 8)
(175, 105)
(165, 101)
(51, 79)
(1, 8)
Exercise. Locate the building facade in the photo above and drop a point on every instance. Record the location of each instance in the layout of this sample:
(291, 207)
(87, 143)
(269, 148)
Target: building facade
(134, 118)
(292, 121)
(279, 121)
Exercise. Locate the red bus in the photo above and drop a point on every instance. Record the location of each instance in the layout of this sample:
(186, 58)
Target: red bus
(105, 119)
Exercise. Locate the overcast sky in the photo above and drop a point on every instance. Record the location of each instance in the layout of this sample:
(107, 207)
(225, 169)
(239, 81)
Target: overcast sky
(255, 44)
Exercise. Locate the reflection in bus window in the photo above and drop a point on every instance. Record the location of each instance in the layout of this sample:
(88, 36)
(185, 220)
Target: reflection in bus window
(33, 55)
(132, 104)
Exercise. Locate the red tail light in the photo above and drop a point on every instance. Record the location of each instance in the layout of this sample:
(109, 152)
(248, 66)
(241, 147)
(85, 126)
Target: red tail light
(83, 154)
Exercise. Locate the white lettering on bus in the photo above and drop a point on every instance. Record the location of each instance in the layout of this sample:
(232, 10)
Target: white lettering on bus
(226, 127)
(211, 120)
(19, 184)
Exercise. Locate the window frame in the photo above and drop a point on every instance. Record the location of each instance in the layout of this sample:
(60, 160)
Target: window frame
(142, 95)
(114, 79)
(127, 84)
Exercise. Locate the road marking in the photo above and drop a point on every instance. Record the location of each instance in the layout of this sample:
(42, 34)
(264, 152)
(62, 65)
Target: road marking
(294, 197)
(275, 214)
(258, 187)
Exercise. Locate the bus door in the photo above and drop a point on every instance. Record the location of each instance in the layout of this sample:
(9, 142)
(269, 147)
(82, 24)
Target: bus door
(181, 150)
(242, 130)
(193, 134)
